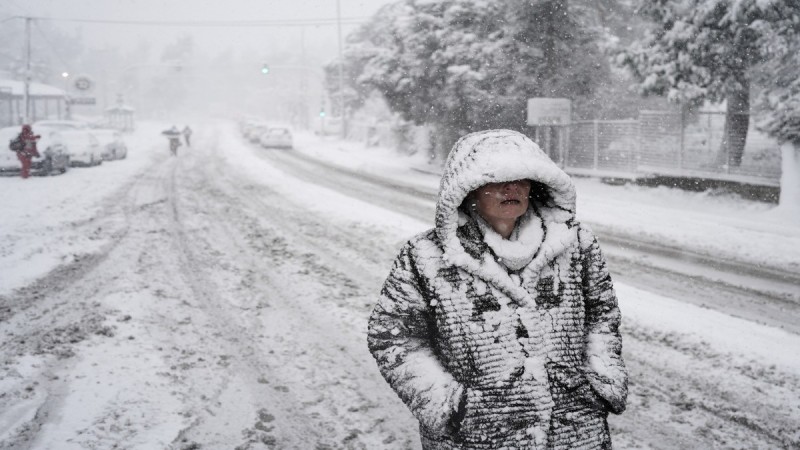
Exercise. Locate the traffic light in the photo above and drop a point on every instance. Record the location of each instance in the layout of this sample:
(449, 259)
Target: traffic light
(322, 112)
(265, 69)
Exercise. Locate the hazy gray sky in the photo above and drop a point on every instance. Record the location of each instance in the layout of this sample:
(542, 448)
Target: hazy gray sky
(288, 92)
(319, 40)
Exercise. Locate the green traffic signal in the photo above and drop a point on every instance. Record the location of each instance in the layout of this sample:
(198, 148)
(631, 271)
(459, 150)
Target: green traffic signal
(265, 69)
(322, 113)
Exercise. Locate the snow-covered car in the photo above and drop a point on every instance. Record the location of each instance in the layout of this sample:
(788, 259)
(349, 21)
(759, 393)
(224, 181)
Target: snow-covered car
(53, 157)
(60, 125)
(83, 148)
(277, 137)
(254, 132)
(247, 124)
(113, 147)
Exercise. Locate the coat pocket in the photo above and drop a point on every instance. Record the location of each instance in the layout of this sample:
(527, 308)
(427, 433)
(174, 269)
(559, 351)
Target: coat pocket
(474, 427)
(571, 389)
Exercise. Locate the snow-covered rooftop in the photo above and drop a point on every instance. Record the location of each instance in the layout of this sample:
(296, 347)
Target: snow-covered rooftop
(36, 89)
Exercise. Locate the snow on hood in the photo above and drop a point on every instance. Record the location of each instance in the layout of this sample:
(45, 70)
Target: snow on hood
(495, 156)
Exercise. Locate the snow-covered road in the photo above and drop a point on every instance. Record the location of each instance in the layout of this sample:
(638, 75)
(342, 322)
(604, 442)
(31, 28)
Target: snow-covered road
(219, 300)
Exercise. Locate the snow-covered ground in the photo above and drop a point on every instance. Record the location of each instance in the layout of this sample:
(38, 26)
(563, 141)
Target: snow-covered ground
(219, 300)
(718, 224)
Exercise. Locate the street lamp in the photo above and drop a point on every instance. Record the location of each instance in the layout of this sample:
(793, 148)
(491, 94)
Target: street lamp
(67, 112)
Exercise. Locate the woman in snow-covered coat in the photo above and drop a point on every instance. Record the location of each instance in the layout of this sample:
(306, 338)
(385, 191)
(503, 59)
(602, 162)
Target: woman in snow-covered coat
(499, 328)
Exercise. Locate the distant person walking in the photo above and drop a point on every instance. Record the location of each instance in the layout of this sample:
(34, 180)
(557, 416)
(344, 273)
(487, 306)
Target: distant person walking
(174, 136)
(25, 146)
(187, 135)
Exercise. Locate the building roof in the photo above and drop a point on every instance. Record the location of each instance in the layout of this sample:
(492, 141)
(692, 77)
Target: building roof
(17, 89)
(120, 108)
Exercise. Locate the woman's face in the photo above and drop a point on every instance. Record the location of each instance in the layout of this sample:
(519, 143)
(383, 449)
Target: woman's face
(502, 201)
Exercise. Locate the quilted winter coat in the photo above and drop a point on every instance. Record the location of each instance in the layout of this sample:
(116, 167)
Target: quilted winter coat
(488, 358)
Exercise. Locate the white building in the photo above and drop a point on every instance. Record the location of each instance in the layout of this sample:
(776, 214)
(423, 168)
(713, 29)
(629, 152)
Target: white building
(46, 102)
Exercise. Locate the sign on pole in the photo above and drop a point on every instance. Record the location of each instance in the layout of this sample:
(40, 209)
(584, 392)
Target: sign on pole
(82, 101)
(549, 111)
(83, 83)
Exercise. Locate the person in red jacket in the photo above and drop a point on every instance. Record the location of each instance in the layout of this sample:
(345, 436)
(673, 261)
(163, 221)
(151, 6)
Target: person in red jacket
(29, 150)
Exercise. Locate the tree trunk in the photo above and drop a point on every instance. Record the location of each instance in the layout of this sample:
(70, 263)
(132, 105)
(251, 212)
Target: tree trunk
(554, 13)
(789, 202)
(737, 120)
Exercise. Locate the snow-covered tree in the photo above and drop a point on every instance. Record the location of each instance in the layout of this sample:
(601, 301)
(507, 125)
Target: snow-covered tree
(465, 65)
(780, 100)
(705, 50)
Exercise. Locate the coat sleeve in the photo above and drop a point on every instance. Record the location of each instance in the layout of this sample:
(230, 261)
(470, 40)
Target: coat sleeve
(603, 364)
(400, 338)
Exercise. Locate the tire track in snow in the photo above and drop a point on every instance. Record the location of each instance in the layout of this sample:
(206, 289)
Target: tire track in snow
(303, 391)
(204, 252)
(295, 236)
(55, 316)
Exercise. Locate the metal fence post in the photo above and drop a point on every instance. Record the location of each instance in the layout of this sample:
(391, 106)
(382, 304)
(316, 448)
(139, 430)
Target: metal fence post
(596, 143)
(683, 138)
(638, 143)
(566, 145)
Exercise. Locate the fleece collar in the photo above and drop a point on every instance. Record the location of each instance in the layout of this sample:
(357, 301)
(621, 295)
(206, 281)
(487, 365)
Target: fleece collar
(519, 249)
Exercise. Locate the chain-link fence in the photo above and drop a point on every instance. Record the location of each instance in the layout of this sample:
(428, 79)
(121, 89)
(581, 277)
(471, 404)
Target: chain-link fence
(658, 143)
(609, 145)
(662, 143)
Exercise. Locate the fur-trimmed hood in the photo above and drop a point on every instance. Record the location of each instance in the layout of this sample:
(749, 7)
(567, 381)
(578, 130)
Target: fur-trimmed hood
(495, 156)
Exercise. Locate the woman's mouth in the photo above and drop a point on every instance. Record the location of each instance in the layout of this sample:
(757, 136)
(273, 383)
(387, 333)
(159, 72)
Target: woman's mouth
(510, 202)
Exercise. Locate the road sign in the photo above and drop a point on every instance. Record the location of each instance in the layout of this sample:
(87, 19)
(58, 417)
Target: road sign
(83, 83)
(83, 101)
(549, 111)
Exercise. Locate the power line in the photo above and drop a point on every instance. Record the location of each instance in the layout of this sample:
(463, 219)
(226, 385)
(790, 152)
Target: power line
(214, 23)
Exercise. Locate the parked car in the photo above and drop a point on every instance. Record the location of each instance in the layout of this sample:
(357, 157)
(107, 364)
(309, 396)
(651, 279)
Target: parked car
(246, 124)
(113, 147)
(60, 125)
(53, 157)
(84, 149)
(254, 132)
(277, 137)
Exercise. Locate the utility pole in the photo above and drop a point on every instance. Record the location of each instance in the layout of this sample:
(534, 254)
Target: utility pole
(27, 95)
(341, 70)
(304, 79)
